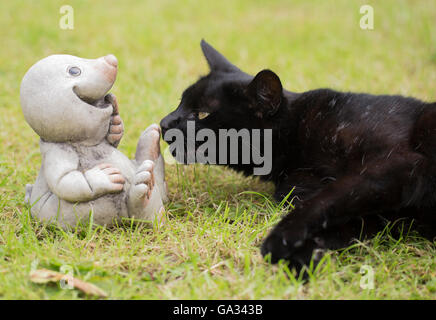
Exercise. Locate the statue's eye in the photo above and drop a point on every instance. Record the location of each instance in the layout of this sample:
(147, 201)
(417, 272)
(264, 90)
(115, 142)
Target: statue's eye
(202, 115)
(74, 71)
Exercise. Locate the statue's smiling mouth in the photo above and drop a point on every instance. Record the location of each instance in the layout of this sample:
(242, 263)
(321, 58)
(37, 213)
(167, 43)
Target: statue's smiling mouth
(101, 103)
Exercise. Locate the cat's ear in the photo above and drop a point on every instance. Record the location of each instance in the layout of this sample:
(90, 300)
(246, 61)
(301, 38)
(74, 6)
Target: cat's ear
(216, 61)
(267, 91)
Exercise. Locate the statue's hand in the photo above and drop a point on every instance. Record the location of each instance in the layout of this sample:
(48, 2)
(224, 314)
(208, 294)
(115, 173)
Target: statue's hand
(104, 179)
(116, 127)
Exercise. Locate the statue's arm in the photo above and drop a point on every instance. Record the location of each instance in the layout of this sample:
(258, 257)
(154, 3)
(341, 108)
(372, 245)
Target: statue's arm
(68, 183)
(116, 127)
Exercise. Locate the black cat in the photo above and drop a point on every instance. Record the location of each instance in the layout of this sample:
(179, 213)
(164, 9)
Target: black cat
(355, 159)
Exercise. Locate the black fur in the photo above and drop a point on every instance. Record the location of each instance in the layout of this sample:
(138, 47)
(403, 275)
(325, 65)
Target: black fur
(351, 157)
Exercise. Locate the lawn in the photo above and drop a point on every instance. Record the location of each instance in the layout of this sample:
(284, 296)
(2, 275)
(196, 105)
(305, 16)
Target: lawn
(209, 248)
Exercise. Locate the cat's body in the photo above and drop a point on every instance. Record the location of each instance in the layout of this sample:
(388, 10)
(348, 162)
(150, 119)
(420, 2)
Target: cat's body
(349, 156)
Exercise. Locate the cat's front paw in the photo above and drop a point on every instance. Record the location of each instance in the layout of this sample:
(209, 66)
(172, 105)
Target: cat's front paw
(311, 250)
(285, 239)
(276, 247)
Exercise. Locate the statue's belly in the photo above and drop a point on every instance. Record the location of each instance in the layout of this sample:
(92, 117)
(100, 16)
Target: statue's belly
(114, 204)
(107, 208)
(90, 157)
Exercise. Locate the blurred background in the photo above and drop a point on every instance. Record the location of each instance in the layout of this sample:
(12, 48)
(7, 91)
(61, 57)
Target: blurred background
(310, 44)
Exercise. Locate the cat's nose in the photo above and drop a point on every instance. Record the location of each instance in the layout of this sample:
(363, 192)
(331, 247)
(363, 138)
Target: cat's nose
(164, 125)
(168, 122)
(111, 60)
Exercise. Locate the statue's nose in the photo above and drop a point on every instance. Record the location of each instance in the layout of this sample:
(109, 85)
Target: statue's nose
(112, 60)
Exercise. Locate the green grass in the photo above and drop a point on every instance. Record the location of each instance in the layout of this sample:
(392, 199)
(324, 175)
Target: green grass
(209, 248)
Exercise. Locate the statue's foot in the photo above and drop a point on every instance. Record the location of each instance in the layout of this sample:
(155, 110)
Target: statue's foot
(149, 149)
(149, 144)
(143, 183)
(144, 198)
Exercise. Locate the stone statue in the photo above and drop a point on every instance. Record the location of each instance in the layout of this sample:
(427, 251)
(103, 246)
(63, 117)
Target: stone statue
(66, 102)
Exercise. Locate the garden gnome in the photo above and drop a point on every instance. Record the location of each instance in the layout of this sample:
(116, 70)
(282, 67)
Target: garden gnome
(66, 102)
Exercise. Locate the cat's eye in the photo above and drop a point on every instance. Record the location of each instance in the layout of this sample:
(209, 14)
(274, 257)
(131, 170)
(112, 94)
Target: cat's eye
(74, 71)
(202, 115)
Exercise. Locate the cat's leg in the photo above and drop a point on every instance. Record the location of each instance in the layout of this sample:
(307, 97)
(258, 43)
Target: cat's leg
(334, 238)
(304, 184)
(148, 148)
(376, 189)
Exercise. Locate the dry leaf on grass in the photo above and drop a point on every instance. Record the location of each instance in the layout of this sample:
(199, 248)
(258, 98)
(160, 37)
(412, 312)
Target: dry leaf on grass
(41, 276)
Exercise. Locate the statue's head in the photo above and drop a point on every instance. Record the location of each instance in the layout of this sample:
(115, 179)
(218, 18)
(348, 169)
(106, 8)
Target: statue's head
(64, 98)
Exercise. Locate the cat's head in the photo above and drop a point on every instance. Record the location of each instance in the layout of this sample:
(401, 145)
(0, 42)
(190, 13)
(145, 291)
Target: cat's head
(227, 98)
